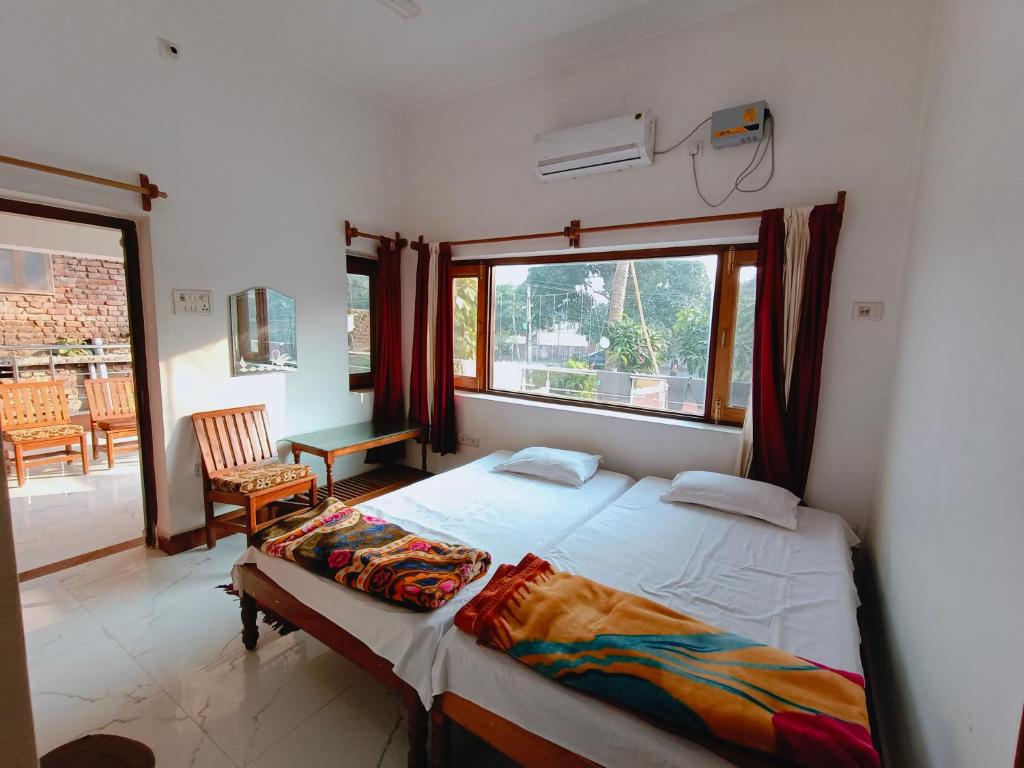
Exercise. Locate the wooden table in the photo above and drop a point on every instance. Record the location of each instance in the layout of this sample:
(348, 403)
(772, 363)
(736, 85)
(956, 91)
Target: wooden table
(329, 444)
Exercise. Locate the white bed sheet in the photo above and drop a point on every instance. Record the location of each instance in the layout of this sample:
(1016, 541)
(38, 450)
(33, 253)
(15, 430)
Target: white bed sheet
(507, 515)
(790, 589)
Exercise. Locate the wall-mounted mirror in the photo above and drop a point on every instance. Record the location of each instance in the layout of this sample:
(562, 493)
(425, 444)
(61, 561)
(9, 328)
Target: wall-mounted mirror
(262, 332)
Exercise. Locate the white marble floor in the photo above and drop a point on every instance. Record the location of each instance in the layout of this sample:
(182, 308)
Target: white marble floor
(60, 513)
(143, 645)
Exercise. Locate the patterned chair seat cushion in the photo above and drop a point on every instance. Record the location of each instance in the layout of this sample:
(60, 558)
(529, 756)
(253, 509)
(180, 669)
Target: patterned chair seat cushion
(251, 479)
(29, 434)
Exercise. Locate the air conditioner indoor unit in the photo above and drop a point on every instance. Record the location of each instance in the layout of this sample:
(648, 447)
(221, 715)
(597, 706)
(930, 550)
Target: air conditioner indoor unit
(608, 145)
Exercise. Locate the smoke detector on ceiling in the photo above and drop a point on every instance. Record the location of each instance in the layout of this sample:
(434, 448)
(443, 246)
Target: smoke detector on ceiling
(407, 9)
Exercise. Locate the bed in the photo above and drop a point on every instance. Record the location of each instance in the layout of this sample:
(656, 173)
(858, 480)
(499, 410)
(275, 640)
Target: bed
(508, 515)
(790, 589)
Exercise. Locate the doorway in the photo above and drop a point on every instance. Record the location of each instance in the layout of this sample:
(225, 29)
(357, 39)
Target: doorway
(77, 434)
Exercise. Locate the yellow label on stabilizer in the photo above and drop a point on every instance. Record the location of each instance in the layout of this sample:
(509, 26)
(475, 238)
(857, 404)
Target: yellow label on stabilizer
(730, 131)
(750, 114)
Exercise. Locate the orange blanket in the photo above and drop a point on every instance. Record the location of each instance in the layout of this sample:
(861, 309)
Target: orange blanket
(671, 667)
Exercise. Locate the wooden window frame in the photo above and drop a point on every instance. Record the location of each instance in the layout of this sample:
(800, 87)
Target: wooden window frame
(481, 272)
(18, 265)
(725, 335)
(720, 351)
(361, 265)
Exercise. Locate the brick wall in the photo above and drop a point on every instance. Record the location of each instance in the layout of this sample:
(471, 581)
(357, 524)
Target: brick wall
(359, 339)
(89, 300)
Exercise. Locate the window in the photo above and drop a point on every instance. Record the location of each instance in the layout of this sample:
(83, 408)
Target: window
(25, 272)
(668, 331)
(732, 378)
(469, 324)
(361, 273)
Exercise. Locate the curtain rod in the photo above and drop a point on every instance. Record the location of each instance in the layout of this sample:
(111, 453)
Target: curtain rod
(148, 191)
(352, 232)
(574, 230)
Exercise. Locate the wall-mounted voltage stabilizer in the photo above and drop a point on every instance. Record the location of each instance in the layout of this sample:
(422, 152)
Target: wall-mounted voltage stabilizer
(738, 125)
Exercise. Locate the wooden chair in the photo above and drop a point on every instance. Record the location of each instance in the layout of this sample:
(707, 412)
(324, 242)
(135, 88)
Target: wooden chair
(34, 414)
(240, 466)
(112, 412)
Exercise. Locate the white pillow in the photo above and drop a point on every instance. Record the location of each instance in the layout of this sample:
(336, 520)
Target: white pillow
(735, 494)
(568, 467)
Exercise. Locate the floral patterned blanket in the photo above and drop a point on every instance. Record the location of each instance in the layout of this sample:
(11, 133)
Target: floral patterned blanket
(372, 555)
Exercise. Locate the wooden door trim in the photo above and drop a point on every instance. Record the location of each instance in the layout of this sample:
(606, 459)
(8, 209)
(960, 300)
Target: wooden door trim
(137, 328)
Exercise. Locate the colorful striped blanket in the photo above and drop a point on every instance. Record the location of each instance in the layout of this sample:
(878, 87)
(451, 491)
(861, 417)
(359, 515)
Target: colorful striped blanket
(372, 555)
(672, 668)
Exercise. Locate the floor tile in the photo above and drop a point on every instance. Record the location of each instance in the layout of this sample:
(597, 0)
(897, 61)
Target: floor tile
(344, 733)
(164, 727)
(60, 513)
(174, 642)
(150, 585)
(248, 703)
(84, 688)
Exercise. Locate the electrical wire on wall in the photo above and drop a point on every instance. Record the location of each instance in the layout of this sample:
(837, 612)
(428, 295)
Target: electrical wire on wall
(762, 150)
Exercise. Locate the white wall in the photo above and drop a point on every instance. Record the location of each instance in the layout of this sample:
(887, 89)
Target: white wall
(845, 81)
(262, 159)
(948, 532)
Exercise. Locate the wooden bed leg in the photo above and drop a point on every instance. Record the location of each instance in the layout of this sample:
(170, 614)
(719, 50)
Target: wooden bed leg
(250, 627)
(416, 717)
(440, 736)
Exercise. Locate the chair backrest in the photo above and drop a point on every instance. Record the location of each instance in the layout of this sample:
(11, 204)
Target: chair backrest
(33, 404)
(110, 398)
(233, 437)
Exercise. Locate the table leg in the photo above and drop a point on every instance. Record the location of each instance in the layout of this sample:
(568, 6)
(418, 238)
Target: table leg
(423, 451)
(329, 461)
(296, 453)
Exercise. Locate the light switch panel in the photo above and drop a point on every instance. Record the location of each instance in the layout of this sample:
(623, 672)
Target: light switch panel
(188, 301)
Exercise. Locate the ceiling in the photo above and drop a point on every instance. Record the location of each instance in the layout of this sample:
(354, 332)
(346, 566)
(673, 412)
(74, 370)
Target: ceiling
(452, 47)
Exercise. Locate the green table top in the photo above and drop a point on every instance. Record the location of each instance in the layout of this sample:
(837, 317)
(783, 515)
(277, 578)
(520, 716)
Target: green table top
(339, 438)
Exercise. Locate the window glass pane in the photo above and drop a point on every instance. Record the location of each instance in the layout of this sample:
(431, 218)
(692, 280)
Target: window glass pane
(6, 268)
(464, 326)
(358, 323)
(743, 346)
(620, 332)
(35, 268)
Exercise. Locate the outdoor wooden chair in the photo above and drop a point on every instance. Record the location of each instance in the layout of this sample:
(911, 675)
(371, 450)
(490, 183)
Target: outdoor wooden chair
(240, 466)
(34, 415)
(112, 413)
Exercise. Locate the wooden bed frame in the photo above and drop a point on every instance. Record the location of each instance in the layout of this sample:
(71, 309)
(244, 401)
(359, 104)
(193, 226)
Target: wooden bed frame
(532, 751)
(257, 589)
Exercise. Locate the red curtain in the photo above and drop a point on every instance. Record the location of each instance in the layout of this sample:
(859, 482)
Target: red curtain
(388, 399)
(443, 431)
(769, 457)
(783, 430)
(419, 408)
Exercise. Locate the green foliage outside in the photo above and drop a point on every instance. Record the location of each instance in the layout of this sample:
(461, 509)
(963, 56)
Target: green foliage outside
(464, 307)
(628, 346)
(676, 295)
(743, 348)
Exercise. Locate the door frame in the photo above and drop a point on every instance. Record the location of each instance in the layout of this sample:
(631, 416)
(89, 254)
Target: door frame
(136, 327)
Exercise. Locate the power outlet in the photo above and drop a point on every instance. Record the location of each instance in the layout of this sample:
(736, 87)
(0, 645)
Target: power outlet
(695, 148)
(471, 440)
(867, 310)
